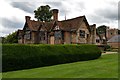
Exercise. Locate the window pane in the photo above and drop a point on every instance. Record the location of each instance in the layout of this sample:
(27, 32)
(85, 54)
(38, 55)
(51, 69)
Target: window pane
(82, 33)
(58, 35)
(42, 35)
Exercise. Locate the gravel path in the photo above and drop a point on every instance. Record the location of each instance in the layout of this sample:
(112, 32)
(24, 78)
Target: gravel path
(109, 53)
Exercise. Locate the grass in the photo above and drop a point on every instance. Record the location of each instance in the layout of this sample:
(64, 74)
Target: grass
(104, 67)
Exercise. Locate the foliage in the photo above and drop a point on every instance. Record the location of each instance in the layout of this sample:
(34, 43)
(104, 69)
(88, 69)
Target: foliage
(105, 67)
(107, 47)
(102, 30)
(16, 57)
(43, 13)
(104, 47)
(11, 38)
(1, 39)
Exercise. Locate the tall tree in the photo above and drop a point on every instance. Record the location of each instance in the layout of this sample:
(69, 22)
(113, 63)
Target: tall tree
(102, 30)
(43, 13)
(11, 38)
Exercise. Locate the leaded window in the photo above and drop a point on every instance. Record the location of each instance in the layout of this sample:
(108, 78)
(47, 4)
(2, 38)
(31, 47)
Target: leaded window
(82, 33)
(20, 37)
(42, 35)
(27, 35)
(58, 35)
(97, 41)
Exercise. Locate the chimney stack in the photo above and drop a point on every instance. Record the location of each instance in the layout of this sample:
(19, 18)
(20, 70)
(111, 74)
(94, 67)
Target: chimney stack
(55, 14)
(27, 18)
(94, 34)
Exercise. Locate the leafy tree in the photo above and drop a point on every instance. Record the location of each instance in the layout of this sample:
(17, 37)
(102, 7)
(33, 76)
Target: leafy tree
(11, 38)
(43, 13)
(102, 30)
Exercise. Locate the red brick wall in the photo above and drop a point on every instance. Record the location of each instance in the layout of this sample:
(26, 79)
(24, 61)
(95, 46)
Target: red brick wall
(114, 44)
(67, 38)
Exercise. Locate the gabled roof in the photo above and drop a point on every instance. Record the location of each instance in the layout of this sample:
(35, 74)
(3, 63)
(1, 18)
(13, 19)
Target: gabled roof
(65, 25)
(20, 32)
(37, 25)
(33, 25)
(49, 25)
(72, 24)
(114, 39)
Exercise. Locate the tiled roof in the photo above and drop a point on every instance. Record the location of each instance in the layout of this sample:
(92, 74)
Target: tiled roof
(66, 25)
(49, 25)
(34, 25)
(114, 39)
(71, 24)
(20, 32)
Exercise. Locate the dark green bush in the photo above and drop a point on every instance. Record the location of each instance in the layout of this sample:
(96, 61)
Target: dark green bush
(107, 48)
(16, 57)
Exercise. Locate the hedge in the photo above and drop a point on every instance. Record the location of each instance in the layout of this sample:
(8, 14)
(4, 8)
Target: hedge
(17, 57)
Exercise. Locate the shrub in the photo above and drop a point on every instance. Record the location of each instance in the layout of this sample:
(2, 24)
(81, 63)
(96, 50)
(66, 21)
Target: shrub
(16, 57)
(107, 48)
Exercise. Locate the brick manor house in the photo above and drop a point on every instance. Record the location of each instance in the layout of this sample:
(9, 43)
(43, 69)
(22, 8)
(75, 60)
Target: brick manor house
(71, 31)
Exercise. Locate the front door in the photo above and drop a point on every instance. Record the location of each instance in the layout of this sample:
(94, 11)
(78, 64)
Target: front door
(52, 39)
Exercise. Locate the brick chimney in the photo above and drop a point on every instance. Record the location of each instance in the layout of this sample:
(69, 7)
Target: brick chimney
(55, 14)
(27, 18)
(94, 33)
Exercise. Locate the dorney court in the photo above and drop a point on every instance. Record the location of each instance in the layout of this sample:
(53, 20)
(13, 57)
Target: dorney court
(71, 31)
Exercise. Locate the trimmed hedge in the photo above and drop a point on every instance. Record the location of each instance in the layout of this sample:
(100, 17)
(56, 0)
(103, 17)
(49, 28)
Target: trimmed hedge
(17, 57)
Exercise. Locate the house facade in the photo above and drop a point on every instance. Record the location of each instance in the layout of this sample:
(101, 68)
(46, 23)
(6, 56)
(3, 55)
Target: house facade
(71, 31)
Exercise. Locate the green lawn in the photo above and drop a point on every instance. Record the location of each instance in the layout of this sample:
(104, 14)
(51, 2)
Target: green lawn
(104, 67)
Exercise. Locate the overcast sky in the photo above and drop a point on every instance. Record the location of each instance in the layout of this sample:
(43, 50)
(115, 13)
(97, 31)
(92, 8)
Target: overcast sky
(99, 12)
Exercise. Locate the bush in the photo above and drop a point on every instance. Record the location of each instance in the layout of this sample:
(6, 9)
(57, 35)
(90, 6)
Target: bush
(16, 57)
(107, 48)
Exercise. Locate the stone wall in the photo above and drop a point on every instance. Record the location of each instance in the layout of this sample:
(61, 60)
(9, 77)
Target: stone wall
(67, 37)
(78, 38)
(111, 33)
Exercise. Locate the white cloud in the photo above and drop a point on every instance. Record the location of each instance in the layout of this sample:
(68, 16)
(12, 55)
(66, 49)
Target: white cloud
(97, 11)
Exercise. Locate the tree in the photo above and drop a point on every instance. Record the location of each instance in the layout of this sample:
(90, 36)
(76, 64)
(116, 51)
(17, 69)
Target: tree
(11, 38)
(43, 13)
(102, 30)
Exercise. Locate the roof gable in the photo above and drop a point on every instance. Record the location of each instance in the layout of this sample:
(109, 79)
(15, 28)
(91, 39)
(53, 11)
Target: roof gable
(73, 24)
(42, 28)
(26, 27)
(56, 27)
